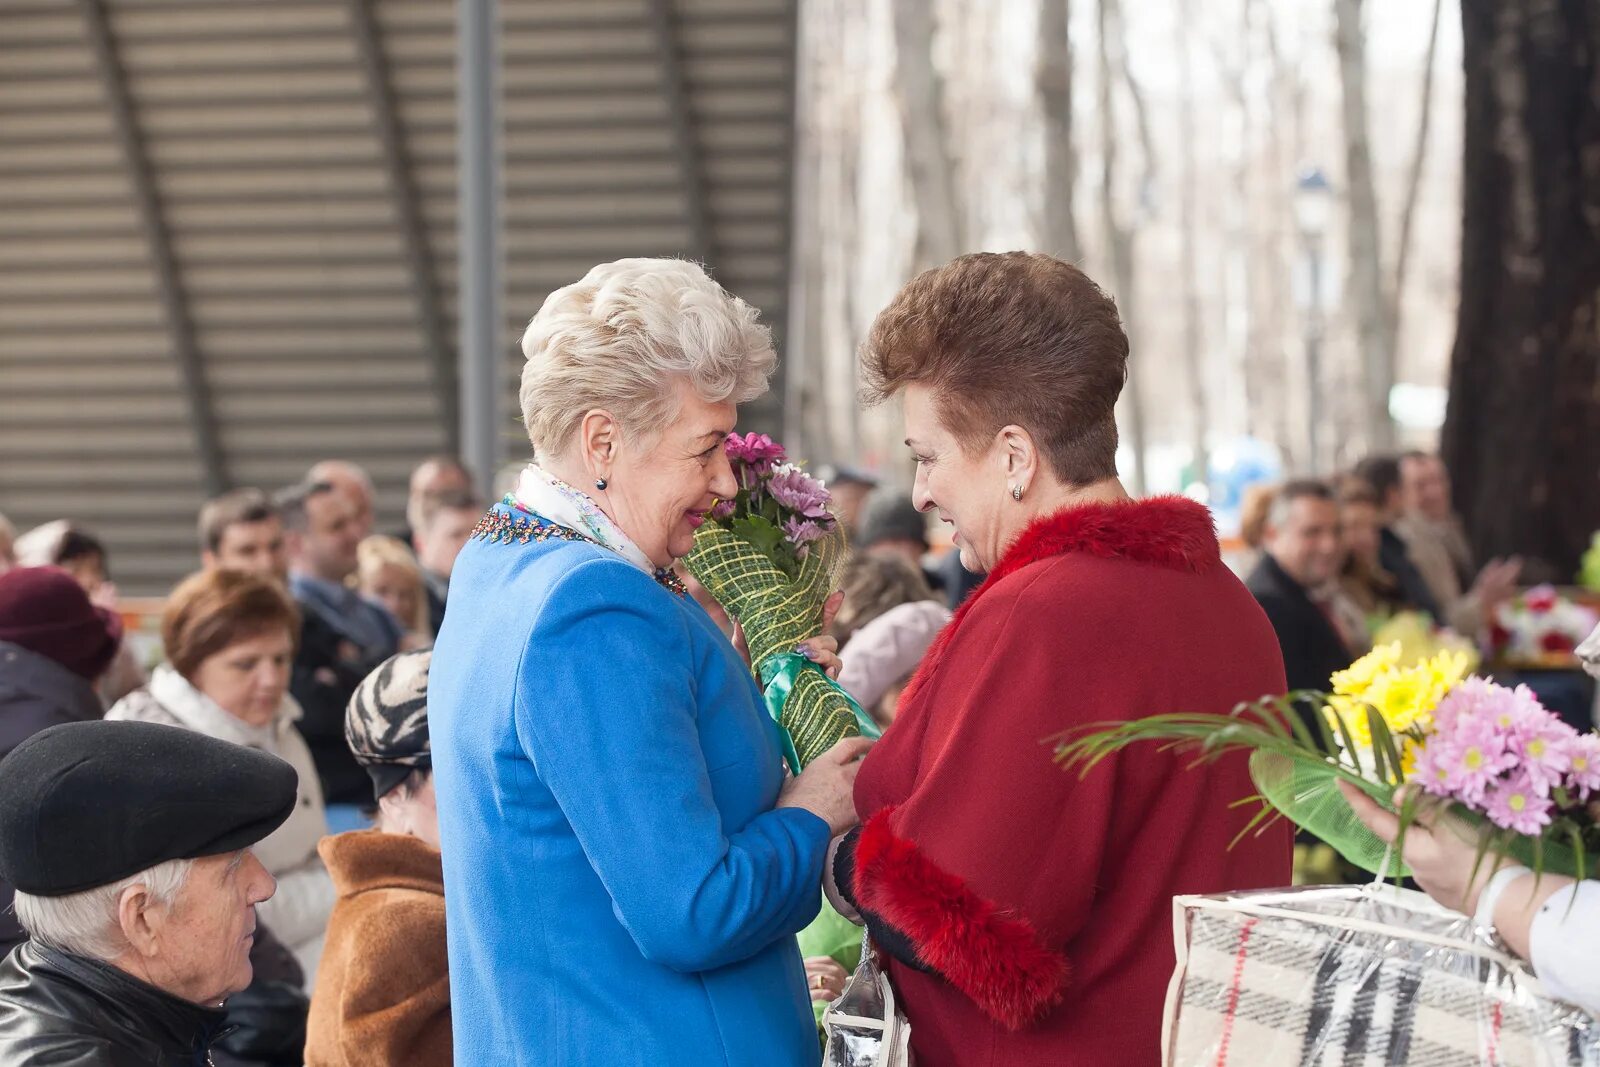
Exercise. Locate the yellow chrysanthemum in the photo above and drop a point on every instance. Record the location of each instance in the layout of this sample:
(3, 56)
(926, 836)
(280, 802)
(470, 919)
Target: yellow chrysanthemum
(1404, 696)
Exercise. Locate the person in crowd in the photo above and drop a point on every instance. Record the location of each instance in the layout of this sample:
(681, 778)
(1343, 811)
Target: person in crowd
(892, 525)
(54, 645)
(343, 636)
(1255, 503)
(383, 993)
(1363, 581)
(436, 476)
(883, 654)
(83, 555)
(873, 584)
(387, 574)
(1009, 366)
(229, 640)
(1295, 580)
(242, 531)
(354, 484)
(1550, 920)
(130, 847)
(850, 487)
(444, 523)
(625, 861)
(1434, 538)
(1382, 475)
(8, 545)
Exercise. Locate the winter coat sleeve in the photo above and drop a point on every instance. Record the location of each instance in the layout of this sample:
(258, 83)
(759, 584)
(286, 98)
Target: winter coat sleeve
(607, 713)
(990, 867)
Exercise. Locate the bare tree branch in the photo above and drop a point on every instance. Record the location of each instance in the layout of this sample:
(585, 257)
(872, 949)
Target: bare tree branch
(1402, 253)
(920, 91)
(1058, 230)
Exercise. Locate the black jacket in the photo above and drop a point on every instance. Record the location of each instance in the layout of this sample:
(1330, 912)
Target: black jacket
(1395, 557)
(35, 692)
(61, 1010)
(327, 670)
(1312, 648)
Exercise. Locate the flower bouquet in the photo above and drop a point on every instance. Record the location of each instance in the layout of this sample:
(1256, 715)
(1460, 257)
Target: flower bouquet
(1488, 753)
(1540, 629)
(771, 556)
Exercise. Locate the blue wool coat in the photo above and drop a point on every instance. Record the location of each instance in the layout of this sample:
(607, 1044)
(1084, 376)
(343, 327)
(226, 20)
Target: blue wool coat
(618, 887)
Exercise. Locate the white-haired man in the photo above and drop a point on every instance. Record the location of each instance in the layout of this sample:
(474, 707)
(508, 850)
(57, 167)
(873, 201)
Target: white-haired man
(129, 844)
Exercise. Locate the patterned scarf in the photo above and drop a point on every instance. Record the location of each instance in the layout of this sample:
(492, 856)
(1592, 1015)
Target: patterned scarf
(549, 497)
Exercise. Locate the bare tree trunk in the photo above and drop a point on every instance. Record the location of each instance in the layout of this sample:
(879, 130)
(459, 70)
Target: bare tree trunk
(1522, 434)
(1058, 232)
(920, 91)
(1119, 236)
(1365, 288)
(1408, 209)
(1193, 341)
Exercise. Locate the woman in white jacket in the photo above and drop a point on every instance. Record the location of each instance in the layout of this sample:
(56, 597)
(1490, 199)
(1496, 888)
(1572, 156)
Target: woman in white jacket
(1553, 921)
(229, 640)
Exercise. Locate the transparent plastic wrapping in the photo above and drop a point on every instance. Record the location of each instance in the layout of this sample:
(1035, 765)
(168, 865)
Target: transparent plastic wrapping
(863, 1027)
(1365, 976)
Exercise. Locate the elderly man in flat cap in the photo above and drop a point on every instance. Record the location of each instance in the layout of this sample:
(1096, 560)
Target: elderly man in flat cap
(129, 847)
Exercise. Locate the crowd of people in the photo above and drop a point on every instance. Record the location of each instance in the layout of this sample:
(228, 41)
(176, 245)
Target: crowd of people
(499, 787)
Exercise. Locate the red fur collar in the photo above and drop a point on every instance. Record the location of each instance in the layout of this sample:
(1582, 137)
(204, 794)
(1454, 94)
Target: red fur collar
(1168, 531)
(1165, 531)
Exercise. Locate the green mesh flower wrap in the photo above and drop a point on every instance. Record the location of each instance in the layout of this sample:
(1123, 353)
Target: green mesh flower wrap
(777, 613)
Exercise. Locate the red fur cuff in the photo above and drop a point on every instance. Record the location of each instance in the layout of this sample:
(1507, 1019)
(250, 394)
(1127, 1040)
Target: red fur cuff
(994, 958)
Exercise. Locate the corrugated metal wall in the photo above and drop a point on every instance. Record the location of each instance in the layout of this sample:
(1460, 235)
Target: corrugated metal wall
(256, 216)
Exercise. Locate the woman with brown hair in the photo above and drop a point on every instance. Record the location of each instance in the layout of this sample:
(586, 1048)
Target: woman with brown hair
(229, 639)
(1027, 911)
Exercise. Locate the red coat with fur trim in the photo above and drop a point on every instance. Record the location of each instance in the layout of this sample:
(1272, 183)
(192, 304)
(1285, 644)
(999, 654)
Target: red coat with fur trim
(1041, 903)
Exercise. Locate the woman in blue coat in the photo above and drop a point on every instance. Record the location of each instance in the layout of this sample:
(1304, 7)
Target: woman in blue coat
(625, 863)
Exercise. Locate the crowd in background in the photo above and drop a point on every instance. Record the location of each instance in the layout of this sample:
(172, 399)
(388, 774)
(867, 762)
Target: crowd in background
(300, 637)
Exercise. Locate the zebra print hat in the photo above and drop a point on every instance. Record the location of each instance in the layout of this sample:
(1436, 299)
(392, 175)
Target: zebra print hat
(386, 723)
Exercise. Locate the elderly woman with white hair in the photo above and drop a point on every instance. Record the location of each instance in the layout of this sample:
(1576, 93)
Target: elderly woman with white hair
(625, 862)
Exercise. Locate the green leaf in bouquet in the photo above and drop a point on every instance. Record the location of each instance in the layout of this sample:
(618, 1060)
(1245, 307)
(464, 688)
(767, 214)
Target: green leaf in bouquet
(764, 537)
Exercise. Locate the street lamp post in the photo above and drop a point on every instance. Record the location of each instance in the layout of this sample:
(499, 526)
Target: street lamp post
(1313, 204)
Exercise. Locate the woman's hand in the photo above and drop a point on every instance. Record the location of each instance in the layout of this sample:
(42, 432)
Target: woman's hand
(1441, 856)
(826, 788)
(822, 649)
(825, 979)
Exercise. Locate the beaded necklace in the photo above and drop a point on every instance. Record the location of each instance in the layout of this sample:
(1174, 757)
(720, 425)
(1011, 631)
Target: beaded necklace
(497, 527)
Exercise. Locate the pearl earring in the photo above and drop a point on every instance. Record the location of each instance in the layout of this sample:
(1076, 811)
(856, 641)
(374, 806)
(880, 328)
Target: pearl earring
(600, 484)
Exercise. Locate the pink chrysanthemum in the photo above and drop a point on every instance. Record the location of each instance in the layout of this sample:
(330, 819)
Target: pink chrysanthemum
(722, 510)
(756, 449)
(1584, 773)
(1544, 750)
(796, 490)
(1463, 763)
(1517, 803)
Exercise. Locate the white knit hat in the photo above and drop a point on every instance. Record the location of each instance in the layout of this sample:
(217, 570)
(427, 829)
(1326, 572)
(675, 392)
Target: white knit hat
(888, 649)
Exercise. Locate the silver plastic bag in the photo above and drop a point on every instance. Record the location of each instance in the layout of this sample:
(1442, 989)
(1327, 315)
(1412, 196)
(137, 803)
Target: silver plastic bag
(864, 1027)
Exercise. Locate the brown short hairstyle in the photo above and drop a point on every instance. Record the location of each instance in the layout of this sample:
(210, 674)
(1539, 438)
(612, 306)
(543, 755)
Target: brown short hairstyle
(211, 610)
(1014, 338)
(229, 509)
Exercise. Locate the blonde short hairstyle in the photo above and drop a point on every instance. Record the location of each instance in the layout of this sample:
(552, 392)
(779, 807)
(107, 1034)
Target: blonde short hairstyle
(379, 551)
(620, 337)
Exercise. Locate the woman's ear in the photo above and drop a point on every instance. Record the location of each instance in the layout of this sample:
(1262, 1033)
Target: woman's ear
(1020, 456)
(141, 920)
(599, 434)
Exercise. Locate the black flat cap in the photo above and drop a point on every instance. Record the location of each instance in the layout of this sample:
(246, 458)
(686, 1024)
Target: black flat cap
(86, 804)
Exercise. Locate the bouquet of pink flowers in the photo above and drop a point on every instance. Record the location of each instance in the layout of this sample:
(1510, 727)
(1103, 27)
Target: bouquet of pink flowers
(771, 556)
(1492, 755)
(1500, 754)
(779, 509)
